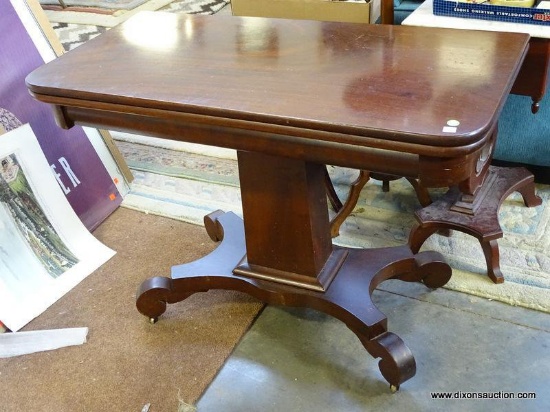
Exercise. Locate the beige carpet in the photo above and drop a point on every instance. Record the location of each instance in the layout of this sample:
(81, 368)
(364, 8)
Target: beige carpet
(127, 362)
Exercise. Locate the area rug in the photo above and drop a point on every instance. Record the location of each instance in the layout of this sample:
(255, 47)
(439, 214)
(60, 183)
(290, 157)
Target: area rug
(187, 186)
(111, 13)
(105, 4)
(73, 34)
(126, 362)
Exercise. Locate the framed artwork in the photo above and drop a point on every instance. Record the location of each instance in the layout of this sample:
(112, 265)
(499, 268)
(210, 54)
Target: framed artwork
(89, 172)
(45, 250)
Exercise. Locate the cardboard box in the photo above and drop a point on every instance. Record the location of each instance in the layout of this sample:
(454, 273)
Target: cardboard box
(539, 14)
(324, 10)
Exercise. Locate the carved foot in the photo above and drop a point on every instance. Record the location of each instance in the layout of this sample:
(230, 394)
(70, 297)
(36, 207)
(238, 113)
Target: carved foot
(530, 198)
(397, 362)
(431, 269)
(492, 257)
(153, 295)
(535, 106)
(349, 299)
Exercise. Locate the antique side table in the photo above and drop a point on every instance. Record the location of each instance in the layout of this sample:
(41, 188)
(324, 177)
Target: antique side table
(533, 76)
(292, 96)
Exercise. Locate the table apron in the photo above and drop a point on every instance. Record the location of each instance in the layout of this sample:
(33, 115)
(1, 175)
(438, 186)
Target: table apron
(453, 165)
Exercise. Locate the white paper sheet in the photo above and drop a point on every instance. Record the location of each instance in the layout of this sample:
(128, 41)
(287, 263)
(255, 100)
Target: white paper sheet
(23, 343)
(45, 250)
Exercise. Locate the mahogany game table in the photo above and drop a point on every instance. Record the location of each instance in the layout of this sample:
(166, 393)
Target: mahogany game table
(291, 97)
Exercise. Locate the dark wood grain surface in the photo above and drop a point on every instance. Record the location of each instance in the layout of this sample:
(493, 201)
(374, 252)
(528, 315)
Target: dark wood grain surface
(361, 82)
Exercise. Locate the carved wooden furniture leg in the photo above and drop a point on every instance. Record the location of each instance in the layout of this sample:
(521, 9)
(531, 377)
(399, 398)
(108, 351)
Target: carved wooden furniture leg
(353, 196)
(154, 293)
(421, 192)
(481, 218)
(343, 211)
(532, 78)
(288, 259)
(385, 179)
(348, 298)
(331, 193)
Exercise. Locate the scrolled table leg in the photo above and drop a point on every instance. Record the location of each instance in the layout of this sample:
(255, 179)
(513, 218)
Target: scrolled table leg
(433, 269)
(397, 362)
(200, 275)
(152, 296)
(418, 235)
(492, 258)
(527, 192)
(155, 293)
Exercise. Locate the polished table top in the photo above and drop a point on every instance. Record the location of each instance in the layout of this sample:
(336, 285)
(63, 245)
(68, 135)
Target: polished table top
(312, 84)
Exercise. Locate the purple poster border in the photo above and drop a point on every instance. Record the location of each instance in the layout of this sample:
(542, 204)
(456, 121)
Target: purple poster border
(79, 171)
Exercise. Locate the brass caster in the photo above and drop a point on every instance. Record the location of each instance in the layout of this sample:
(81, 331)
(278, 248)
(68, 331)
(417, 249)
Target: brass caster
(394, 388)
(152, 321)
